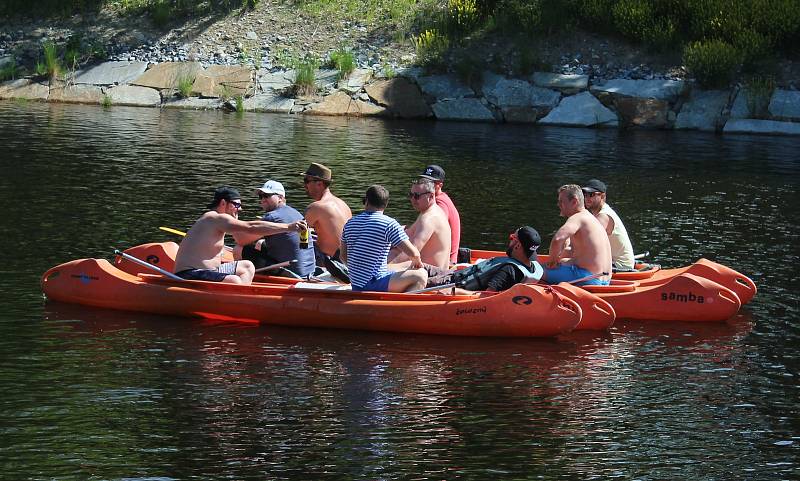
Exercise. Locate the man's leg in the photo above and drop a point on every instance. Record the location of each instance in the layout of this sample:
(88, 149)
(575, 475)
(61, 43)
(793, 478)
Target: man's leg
(408, 280)
(239, 272)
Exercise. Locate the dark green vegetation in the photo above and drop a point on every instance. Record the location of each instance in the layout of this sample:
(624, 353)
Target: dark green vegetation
(719, 40)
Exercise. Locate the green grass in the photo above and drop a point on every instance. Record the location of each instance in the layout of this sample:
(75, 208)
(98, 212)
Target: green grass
(52, 64)
(759, 92)
(9, 70)
(343, 60)
(305, 82)
(239, 104)
(184, 84)
(107, 101)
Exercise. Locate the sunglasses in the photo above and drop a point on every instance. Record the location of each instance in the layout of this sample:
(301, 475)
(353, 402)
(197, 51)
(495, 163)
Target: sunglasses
(417, 195)
(590, 194)
(236, 204)
(265, 196)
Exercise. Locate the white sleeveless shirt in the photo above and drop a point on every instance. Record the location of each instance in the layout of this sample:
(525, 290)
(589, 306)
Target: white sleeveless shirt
(621, 247)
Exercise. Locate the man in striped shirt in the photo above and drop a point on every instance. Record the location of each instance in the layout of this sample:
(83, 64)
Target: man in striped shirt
(366, 241)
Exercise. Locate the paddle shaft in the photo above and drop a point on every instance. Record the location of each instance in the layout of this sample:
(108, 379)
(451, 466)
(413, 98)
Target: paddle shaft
(276, 266)
(148, 265)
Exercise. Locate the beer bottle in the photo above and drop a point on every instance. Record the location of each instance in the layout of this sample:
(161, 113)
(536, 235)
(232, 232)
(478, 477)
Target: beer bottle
(304, 239)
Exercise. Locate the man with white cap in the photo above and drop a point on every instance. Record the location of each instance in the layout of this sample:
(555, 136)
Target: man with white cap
(594, 198)
(279, 247)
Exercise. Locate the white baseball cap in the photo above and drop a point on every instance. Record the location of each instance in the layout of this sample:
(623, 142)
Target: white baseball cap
(272, 187)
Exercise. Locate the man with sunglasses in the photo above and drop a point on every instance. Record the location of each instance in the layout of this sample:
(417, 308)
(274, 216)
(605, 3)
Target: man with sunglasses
(430, 233)
(436, 174)
(273, 249)
(594, 198)
(199, 255)
(499, 273)
(327, 216)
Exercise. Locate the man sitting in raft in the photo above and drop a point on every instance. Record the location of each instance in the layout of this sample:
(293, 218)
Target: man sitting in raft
(430, 233)
(199, 255)
(580, 248)
(594, 194)
(366, 241)
(277, 248)
(499, 273)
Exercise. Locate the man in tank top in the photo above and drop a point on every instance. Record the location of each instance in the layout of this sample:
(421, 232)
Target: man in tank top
(594, 196)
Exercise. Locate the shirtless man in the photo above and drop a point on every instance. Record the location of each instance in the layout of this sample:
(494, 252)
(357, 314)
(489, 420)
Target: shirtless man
(436, 174)
(199, 255)
(589, 250)
(594, 194)
(430, 233)
(326, 215)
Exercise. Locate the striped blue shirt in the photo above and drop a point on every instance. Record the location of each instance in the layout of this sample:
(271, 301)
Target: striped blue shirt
(368, 238)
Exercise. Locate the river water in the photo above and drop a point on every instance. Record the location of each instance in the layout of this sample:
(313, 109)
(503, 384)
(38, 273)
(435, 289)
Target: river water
(95, 394)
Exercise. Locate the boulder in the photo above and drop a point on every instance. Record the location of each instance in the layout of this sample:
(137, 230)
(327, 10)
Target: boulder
(223, 81)
(166, 75)
(111, 73)
(567, 83)
(339, 103)
(401, 97)
(668, 90)
(75, 94)
(581, 110)
(269, 102)
(785, 104)
(763, 127)
(355, 82)
(522, 115)
(508, 92)
(24, 89)
(326, 78)
(134, 95)
(442, 87)
(462, 109)
(193, 103)
(276, 80)
(703, 111)
(645, 113)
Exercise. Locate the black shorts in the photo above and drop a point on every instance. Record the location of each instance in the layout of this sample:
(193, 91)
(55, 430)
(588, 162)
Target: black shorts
(213, 275)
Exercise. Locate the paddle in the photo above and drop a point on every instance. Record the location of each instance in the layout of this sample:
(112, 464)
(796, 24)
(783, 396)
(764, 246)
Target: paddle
(276, 266)
(148, 265)
(183, 234)
(642, 255)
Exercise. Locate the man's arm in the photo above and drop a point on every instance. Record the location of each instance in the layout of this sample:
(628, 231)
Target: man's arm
(343, 251)
(607, 222)
(260, 228)
(503, 279)
(559, 241)
(407, 248)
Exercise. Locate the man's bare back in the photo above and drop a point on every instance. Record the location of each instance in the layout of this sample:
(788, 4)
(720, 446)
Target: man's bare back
(327, 217)
(203, 244)
(590, 248)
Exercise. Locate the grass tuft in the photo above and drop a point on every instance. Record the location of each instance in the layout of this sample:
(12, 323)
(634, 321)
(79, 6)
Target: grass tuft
(305, 82)
(343, 60)
(185, 82)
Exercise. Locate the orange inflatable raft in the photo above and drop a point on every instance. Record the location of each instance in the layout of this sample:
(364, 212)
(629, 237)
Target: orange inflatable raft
(522, 311)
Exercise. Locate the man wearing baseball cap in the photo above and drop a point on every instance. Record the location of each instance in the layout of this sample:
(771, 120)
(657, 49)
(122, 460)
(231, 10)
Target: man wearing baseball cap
(274, 249)
(594, 197)
(436, 174)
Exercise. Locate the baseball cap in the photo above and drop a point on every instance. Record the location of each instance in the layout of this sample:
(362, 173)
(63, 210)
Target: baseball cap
(224, 193)
(272, 187)
(594, 185)
(530, 240)
(434, 173)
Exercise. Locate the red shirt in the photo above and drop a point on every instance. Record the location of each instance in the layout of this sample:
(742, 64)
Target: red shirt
(443, 201)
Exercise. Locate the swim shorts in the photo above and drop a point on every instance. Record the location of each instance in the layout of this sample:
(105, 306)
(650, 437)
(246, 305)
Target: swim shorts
(214, 275)
(377, 284)
(567, 273)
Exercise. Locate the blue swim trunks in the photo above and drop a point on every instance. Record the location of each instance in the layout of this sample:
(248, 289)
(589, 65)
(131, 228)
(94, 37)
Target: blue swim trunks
(377, 284)
(567, 273)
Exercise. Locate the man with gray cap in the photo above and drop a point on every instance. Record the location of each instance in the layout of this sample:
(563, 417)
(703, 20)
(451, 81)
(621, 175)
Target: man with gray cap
(276, 248)
(436, 174)
(594, 198)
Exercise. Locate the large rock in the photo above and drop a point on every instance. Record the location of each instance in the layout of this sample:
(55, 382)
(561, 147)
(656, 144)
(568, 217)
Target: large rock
(326, 78)
(567, 83)
(134, 95)
(193, 103)
(764, 127)
(703, 111)
(743, 105)
(401, 97)
(442, 87)
(166, 75)
(581, 110)
(75, 94)
(523, 115)
(24, 89)
(785, 104)
(269, 102)
(110, 73)
(276, 80)
(339, 103)
(668, 90)
(355, 82)
(462, 109)
(644, 113)
(223, 81)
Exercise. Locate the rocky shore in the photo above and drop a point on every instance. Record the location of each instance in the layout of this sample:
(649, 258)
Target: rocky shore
(542, 98)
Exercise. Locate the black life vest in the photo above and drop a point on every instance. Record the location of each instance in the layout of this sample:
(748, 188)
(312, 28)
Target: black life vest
(476, 277)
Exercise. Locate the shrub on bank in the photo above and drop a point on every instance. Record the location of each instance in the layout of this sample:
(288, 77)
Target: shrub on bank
(712, 63)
